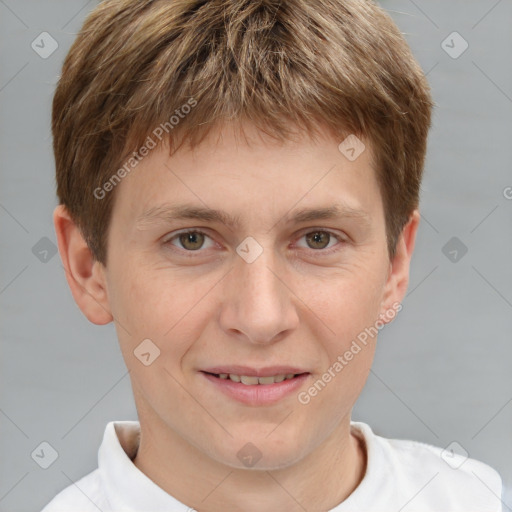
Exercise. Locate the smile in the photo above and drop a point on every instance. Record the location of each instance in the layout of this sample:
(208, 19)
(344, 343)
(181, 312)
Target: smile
(249, 380)
(256, 390)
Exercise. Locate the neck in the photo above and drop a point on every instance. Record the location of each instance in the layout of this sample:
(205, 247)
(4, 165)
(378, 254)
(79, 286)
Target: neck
(337, 466)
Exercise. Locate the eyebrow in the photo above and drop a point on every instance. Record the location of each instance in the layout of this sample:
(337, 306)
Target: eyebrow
(167, 213)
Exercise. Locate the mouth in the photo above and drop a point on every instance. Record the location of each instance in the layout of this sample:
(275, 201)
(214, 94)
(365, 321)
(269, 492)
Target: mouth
(256, 387)
(253, 380)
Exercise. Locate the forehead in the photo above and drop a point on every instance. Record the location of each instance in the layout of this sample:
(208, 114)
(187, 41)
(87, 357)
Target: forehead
(227, 178)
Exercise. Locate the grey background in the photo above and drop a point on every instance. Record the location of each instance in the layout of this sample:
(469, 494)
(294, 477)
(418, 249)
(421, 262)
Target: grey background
(442, 370)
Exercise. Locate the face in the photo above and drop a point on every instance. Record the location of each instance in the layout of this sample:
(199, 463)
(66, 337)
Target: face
(291, 269)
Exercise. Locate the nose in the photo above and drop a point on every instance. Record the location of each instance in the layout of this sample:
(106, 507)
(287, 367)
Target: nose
(259, 305)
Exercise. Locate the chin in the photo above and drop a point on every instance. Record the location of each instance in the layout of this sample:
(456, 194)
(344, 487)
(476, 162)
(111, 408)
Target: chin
(261, 453)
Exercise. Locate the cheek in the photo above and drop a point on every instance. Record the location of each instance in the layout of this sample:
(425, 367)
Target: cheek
(349, 309)
(159, 305)
(345, 302)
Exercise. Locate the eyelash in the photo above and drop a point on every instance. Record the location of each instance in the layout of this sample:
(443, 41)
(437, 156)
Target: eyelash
(321, 252)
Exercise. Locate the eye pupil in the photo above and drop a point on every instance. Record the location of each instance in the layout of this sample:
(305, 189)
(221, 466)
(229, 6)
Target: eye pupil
(316, 238)
(194, 238)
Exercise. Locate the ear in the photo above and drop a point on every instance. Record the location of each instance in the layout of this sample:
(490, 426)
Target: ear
(398, 275)
(85, 276)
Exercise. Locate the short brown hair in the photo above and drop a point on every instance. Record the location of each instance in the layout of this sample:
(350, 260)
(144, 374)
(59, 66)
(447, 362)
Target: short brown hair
(278, 64)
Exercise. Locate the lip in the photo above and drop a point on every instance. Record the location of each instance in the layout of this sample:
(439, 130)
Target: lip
(259, 394)
(268, 371)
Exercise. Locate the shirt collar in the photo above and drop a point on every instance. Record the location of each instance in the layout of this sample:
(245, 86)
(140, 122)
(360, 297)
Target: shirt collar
(125, 486)
(129, 489)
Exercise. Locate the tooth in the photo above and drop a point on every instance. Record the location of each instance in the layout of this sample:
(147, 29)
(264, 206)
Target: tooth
(267, 380)
(248, 380)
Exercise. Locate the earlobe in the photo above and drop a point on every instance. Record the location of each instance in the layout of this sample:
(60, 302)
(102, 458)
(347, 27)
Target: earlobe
(398, 277)
(85, 276)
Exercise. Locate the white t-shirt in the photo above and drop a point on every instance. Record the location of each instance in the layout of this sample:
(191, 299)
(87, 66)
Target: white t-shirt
(401, 475)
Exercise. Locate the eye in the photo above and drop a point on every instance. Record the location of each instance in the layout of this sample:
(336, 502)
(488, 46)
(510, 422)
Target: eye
(319, 240)
(190, 241)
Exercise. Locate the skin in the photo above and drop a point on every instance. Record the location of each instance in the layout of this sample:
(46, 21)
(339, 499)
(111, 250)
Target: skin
(292, 306)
